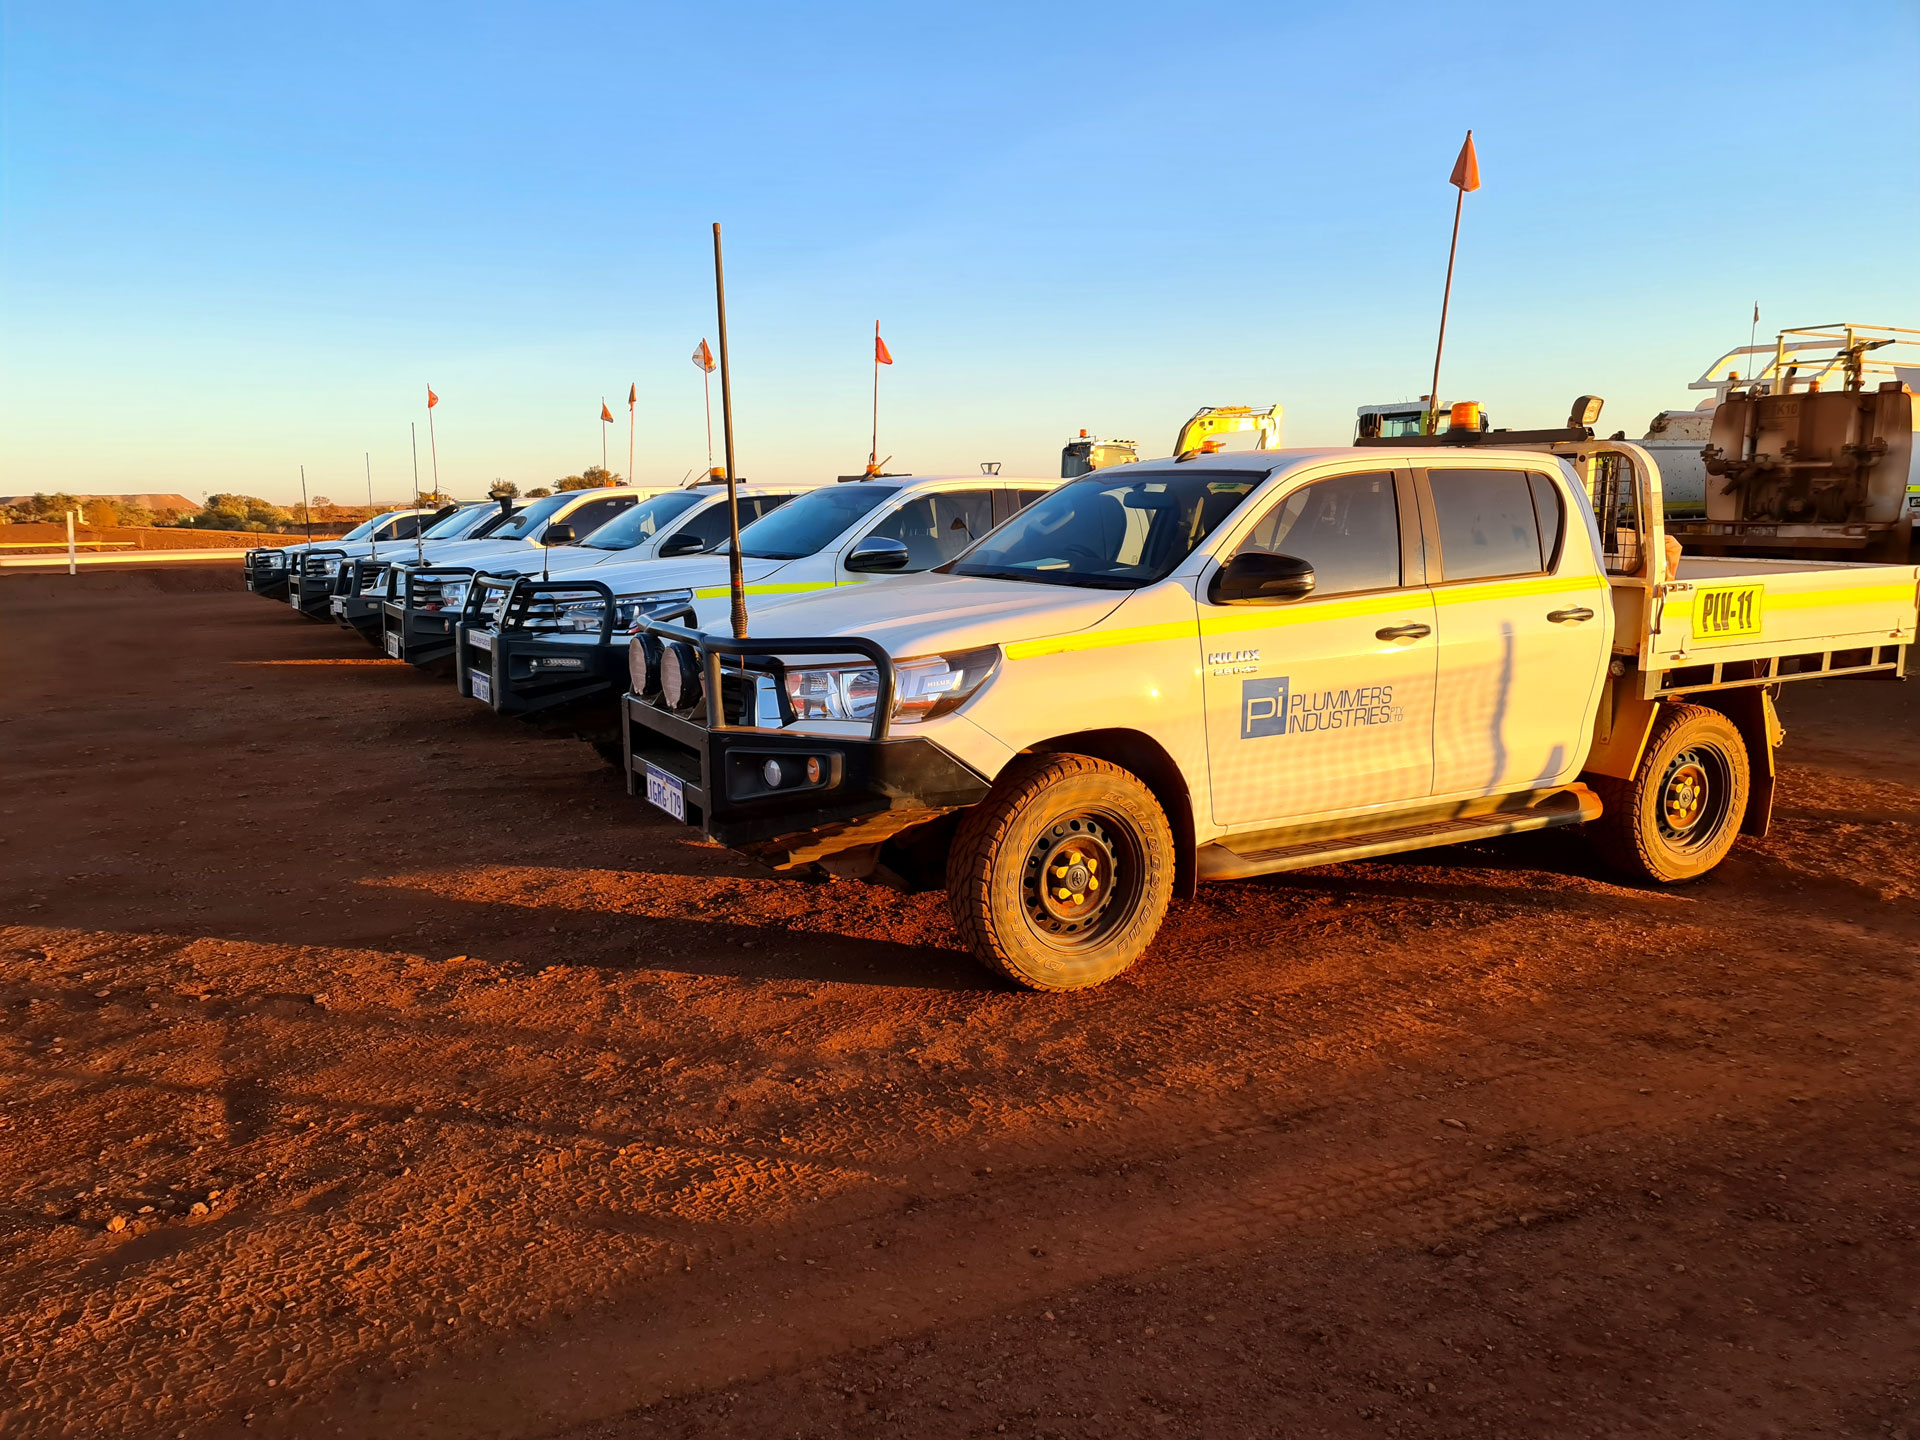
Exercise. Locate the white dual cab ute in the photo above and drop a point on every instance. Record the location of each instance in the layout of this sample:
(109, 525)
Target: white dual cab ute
(267, 567)
(420, 598)
(527, 646)
(352, 604)
(1228, 665)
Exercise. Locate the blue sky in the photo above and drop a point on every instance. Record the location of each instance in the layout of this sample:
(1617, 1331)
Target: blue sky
(235, 240)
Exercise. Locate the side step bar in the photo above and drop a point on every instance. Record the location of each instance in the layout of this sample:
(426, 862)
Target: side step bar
(1573, 805)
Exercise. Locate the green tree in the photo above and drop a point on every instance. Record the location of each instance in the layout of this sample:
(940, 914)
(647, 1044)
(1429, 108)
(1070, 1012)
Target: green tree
(101, 514)
(503, 490)
(539, 492)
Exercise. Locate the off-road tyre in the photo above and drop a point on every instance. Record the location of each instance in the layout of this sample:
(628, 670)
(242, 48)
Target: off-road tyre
(1077, 816)
(1680, 813)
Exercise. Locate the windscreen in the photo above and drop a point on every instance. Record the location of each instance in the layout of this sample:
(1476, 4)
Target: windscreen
(643, 521)
(492, 522)
(1112, 531)
(807, 525)
(529, 518)
(454, 525)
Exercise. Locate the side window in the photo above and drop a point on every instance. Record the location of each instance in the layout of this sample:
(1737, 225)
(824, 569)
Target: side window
(1551, 516)
(1347, 528)
(405, 528)
(935, 528)
(595, 513)
(1487, 524)
(1027, 497)
(761, 505)
(711, 525)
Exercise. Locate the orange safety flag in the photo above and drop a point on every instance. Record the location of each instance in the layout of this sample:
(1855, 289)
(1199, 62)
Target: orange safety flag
(633, 394)
(703, 357)
(432, 399)
(1466, 170)
(881, 355)
(605, 413)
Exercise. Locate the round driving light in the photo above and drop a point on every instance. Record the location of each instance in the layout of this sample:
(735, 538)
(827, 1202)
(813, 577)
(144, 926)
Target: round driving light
(813, 769)
(680, 683)
(772, 774)
(643, 664)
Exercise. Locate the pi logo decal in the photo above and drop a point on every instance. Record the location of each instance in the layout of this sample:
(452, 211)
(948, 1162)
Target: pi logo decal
(1263, 707)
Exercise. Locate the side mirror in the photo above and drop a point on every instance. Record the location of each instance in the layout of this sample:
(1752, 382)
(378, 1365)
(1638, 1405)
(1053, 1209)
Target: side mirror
(684, 543)
(1260, 577)
(876, 553)
(558, 533)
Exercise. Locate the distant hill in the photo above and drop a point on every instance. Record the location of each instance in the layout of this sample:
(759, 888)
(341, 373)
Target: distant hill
(151, 502)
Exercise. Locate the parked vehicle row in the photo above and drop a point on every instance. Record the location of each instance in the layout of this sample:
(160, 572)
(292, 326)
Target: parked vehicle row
(1068, 703)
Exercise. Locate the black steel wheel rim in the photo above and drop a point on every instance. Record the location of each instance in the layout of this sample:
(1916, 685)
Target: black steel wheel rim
(1690, 804)
(1081, 878)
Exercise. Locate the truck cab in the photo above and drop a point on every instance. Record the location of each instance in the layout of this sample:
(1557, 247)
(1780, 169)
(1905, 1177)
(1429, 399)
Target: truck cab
(1224, 665)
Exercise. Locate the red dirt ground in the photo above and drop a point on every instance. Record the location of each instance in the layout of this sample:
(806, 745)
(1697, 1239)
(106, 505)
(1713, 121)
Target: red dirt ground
(441, 1089)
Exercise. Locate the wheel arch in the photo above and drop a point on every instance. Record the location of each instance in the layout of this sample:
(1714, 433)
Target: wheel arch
(1140, 754)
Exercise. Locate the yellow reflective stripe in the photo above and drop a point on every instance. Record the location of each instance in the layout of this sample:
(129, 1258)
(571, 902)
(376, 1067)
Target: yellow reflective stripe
(1102, 639)
(719, 592)
(1300, 612)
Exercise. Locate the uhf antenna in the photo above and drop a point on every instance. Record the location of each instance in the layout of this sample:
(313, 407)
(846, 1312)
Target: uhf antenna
(735, 582)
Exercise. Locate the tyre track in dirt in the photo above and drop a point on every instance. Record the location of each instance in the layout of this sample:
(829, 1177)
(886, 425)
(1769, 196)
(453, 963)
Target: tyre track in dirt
(490, 1103)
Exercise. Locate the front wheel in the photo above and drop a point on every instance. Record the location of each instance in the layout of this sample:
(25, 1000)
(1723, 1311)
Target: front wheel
(1680, 813)
(1060, 877)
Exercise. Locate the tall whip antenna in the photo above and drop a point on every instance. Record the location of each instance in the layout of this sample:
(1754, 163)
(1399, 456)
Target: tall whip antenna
(736, 582)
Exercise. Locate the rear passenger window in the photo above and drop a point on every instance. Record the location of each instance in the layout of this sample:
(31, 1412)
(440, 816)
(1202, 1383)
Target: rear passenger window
(1487, 523)
(1550, 515)
(1347, 528)
(405, 528)
(595, 513)
(935, 528)
(713, 524)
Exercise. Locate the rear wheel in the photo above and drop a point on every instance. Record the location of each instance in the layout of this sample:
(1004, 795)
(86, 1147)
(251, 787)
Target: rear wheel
(1060, 877)
(1680, 813)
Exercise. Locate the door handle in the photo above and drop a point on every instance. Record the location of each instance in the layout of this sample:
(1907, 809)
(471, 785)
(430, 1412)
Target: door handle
(1578, 612)
(1403, 632)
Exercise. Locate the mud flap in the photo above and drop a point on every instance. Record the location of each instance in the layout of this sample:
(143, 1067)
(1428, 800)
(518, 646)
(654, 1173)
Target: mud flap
(1752, 713)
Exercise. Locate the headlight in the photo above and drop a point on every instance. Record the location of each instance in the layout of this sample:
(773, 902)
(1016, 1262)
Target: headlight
(630, 610)
(922, 689)
(441, 595)
(581, 616)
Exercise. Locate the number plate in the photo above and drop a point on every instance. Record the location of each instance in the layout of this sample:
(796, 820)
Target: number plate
(482, 684)
(480, 639)
(337, 605)
(293, 596)
(667, 792)
(393, 644)
(1727, 612)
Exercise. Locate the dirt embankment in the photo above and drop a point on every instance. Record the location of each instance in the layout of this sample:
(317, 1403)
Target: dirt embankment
(450, 1092)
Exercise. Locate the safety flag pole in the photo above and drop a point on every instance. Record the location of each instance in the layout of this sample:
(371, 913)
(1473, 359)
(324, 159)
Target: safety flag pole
(736, 583)
(703, 357)
(373, 543)
(433, 446)
(881, 356)
(1465, 177)
(306, 509)
(606, 419)
(413, 433)
(633, 398)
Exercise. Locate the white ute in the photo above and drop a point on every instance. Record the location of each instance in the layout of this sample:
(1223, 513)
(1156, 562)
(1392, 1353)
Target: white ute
(1227, 665)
